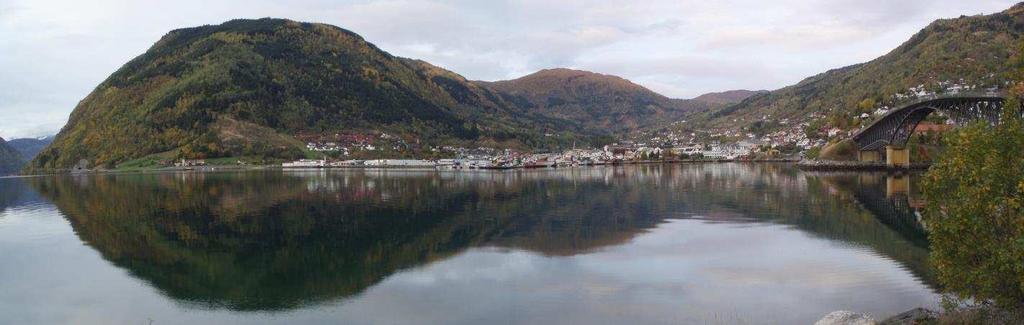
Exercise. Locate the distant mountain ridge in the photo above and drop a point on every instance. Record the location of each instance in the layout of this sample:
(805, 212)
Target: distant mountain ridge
(28, 148)
(10, 160)
(597, 101)
(728, 97)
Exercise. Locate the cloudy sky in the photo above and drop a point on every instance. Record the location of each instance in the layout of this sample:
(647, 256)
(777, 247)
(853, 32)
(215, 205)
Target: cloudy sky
(52, 53)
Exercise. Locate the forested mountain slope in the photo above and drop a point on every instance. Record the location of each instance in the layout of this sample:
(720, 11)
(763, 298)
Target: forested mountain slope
(248, 86)
(968, 53)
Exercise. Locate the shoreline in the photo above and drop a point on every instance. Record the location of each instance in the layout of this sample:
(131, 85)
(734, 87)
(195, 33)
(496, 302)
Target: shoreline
(218, 168)
(833, 165)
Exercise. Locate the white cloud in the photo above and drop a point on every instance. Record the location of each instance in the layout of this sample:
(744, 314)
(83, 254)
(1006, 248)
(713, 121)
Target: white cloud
(54, 52)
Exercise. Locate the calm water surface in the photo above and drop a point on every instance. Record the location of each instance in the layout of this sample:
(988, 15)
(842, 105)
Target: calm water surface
(656, 244)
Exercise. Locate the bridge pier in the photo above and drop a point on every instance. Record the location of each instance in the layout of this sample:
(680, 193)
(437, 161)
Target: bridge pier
(897, 156)
(869, 156)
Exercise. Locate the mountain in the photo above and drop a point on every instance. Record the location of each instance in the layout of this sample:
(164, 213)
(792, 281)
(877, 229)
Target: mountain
(728, 97)
(592, 100)
(10, 160)
(969, 51)
(247, 87)
(30, 147)
(255, 87)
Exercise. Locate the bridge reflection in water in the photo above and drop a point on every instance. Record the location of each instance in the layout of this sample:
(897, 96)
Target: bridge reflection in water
(892, 198)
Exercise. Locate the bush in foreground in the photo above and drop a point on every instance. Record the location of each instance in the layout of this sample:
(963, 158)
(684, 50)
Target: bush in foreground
(975, 213)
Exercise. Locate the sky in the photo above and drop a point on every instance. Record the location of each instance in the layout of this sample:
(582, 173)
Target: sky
(53, 53)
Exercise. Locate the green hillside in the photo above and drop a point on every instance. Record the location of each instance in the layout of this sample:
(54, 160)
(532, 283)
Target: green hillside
(246, 87)
(966, 51)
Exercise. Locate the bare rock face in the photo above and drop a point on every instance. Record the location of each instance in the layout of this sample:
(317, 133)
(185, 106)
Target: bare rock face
(843, 317)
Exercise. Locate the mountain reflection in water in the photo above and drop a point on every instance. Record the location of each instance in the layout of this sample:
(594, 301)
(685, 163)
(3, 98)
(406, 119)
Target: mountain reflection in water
(281, 240)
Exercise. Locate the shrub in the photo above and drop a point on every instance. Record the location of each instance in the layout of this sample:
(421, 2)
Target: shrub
(975, 212)
(844, 150)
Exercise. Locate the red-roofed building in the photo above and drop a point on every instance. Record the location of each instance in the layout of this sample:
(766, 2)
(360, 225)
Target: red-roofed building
(932, 127)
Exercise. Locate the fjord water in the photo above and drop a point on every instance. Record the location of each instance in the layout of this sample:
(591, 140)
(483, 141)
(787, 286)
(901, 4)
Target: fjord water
(648, 244)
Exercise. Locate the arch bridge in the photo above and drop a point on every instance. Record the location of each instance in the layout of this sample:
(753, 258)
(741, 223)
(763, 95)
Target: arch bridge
(889, 134)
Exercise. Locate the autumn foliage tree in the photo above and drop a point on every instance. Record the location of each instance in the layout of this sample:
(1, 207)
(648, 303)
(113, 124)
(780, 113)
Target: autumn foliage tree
(975, 210)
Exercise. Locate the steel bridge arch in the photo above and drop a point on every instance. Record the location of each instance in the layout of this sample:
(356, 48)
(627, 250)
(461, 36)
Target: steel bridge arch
(896, 127)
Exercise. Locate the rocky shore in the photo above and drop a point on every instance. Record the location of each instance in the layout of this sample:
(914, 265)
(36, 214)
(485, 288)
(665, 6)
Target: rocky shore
(910, 317)
(835, 165)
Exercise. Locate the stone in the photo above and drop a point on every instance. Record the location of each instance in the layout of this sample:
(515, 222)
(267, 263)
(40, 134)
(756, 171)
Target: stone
(843, 317)
(912, 317)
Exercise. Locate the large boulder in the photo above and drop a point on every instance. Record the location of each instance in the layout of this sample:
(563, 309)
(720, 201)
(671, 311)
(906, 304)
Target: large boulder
(843, 317)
